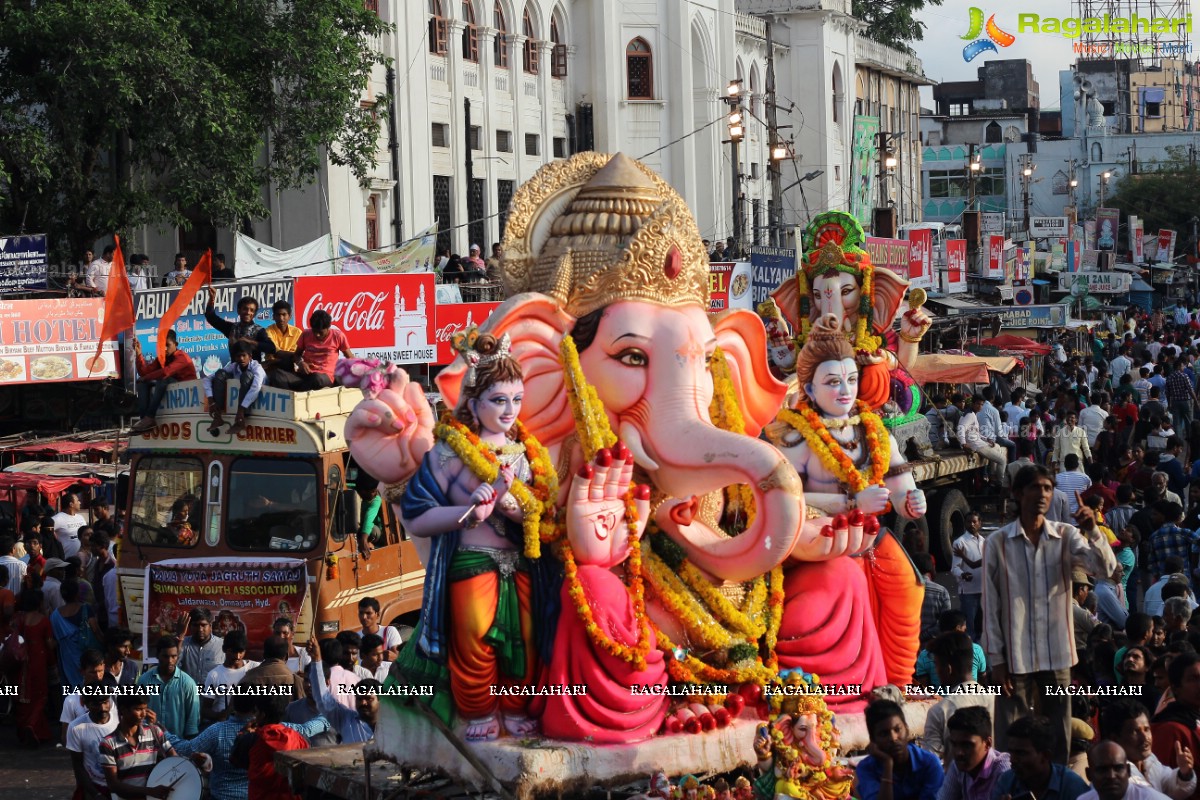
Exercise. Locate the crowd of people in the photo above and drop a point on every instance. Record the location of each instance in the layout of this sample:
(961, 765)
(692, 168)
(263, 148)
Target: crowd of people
(1070, 665)
(91, 280)
(202, 698)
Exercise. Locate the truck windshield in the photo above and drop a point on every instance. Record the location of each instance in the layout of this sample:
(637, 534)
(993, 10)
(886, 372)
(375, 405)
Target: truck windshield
(166, 501)
(273, 505)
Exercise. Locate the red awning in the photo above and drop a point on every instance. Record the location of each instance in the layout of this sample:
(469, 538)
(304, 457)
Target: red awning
(1008, 341)
(44, 484)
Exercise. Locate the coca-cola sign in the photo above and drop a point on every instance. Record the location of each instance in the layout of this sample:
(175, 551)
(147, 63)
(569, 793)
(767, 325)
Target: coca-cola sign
(455, 317)
(386, 316)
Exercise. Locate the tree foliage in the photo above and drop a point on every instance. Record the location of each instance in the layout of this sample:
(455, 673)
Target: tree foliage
(1165, 194)
(893, 22)
(119, 113)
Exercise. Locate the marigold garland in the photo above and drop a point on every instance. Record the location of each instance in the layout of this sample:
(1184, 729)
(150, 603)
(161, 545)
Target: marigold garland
(726, 414)
(806, 421)
(595, 433)
(535, 499)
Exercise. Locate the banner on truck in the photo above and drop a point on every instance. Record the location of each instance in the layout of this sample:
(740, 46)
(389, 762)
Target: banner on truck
(388, 316)
(207, 346)
(246, 594)
(23, 263)
(52, 341)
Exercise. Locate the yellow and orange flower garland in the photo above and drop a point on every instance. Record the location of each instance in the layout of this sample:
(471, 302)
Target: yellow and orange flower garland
(595, 433)
(727, 415)
(808, 423)
(535, 499)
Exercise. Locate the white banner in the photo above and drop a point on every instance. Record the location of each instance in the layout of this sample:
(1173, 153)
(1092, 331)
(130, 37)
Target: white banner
(1047, 227)
(254, 259)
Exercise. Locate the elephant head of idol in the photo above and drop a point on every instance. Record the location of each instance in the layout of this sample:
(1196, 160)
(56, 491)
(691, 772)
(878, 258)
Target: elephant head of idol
(600, 248)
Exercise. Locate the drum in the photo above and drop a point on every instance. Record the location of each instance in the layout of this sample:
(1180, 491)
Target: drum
(181, 775)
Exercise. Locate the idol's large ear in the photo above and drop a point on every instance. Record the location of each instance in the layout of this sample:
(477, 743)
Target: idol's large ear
(743, 340)
(535, 324)
(889, 292)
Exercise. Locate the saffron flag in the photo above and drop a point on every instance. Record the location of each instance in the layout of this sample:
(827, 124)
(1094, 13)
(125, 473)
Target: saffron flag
(118, 302)
(201, 275)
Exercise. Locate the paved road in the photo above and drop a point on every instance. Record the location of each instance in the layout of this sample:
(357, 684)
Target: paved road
(25, 774)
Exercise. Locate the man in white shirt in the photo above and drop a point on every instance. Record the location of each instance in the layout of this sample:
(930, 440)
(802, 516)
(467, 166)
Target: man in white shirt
(1091, 419)
(1070, 438)
(1109, 772)
(98, 270)
(970, 438)
(179, 272)
(1015, 408)
(968, 569)
(139, 277)
(1120, 365)
(368, 616)
(1037, 598)
(371, 657)
(16, 567)
(214, 703)
(83, 740)
(991, 427)
(67, 524)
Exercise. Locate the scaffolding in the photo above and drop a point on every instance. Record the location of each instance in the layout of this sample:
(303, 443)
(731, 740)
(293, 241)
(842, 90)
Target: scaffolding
(1138, 42)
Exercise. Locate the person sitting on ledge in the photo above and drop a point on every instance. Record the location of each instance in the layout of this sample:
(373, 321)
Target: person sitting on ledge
(155, 377)
(316, 356)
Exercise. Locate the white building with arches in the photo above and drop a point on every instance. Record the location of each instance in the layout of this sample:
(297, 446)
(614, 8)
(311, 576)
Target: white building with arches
(487, 91)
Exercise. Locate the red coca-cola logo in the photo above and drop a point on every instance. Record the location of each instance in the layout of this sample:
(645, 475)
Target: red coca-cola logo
(362, 312)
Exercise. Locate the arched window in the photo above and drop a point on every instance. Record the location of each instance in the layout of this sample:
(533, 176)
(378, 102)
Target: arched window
(558, 58)
(531, 49)
(755, 95)
(992, 134)
(439, 29)
(639, 70)
(500, 43)
(470, 34)
(373, 222)
(838, 99)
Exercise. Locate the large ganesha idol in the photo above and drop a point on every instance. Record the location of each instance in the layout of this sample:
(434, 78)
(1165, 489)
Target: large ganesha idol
(619, 455)
(837, 278)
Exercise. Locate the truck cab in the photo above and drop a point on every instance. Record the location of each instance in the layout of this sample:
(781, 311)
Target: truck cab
(277, 493)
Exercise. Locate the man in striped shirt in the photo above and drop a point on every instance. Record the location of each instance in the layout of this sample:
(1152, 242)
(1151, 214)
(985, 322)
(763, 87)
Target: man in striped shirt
(1028, 625)
(1072, 482)
(130, 753)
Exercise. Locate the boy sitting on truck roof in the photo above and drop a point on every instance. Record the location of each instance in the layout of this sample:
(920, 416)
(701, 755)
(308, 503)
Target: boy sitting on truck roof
(249, 374)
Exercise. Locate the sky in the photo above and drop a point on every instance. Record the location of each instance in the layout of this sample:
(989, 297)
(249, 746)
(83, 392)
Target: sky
(941, 50)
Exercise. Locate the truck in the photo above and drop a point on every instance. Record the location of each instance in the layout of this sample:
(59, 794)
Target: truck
(235, 505)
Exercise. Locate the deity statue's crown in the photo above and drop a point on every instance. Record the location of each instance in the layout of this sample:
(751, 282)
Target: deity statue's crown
(834, 241)
(596, 229)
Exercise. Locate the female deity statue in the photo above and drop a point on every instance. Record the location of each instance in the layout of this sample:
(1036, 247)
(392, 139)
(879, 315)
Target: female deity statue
(478, 496)
(852, 472)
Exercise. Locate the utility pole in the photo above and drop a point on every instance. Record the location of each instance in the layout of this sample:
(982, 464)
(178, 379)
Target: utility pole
(1072, 183)
(775, 163)
(737, 130)
(468, 163)
(973, 168)
(1026, 176)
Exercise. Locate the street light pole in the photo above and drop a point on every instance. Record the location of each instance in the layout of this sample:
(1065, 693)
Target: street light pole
(973, 167)
(1104, 176)
(1026, 175)
(737, 129)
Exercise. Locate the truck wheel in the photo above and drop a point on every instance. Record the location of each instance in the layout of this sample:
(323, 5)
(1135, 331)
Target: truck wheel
(952, 521)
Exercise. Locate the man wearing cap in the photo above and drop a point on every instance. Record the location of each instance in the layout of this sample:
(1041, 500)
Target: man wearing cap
(53, 570)
(1081, 586)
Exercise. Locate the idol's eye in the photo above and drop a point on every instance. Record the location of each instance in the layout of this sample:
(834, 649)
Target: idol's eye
(632, 357)
(848, 288)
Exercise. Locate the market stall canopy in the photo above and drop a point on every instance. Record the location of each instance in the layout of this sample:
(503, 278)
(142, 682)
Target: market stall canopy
(61, 448)
(959, 369)
(1008, 341)
(43, 484)
(68, 469)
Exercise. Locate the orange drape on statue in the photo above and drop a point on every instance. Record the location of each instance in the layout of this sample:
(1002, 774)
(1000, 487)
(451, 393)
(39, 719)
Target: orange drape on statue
(874, 385)
(896, 596)
(472, 661)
